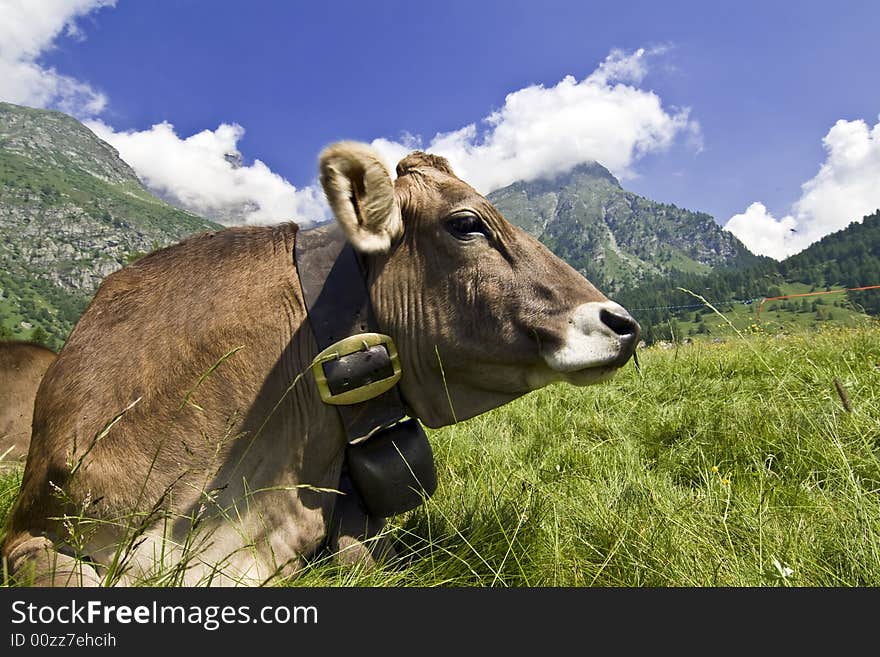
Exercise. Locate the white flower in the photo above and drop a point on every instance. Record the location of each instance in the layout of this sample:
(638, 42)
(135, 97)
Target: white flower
(784, 571)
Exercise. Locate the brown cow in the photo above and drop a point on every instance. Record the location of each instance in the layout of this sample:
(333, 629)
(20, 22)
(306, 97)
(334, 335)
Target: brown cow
(22, 365)
(175, 427)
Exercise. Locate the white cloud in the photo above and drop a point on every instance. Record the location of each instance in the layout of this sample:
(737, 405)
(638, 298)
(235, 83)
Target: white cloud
(199, 173)
(27, 31)
(846, 189)
(620, 67)
(847, 186)
(762, 233)
(541, 131)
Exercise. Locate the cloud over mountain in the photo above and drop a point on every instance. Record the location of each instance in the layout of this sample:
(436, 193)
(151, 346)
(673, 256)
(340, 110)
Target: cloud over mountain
(204, 173)
(541, 131)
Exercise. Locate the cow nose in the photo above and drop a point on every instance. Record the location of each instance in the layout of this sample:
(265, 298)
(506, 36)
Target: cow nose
(624, 327)
(620, 322)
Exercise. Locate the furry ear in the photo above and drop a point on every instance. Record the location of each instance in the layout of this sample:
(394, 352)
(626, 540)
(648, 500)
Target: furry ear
(361, 195)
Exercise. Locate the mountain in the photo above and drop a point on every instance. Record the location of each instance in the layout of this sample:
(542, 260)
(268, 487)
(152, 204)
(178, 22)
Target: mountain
(616, 238)
(845, 259)
(71, 212)
(850, 257)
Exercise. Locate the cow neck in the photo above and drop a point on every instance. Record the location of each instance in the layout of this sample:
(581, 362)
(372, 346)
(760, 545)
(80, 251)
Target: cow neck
(338, 306)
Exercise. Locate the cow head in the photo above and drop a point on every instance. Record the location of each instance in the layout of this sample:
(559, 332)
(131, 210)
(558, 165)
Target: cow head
(481, 312)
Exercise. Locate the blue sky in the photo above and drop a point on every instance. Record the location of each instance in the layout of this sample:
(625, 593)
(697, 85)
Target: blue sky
(743, 93)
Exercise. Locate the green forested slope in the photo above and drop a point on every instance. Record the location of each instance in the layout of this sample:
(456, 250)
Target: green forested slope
(71, 212)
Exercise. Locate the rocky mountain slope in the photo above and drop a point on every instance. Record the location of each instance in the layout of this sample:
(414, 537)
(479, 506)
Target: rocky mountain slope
(71, 212)
(616, 238)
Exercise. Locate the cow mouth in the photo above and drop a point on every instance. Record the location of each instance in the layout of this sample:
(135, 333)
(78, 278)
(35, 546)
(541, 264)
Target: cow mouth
(589, 353)
(586, 376)
(590, 375)
(595, 366)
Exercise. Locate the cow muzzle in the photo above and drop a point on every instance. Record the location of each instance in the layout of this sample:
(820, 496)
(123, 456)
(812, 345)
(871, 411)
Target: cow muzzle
(599, 335)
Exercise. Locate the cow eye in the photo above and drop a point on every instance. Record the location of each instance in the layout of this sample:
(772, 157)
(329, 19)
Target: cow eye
(466, 225)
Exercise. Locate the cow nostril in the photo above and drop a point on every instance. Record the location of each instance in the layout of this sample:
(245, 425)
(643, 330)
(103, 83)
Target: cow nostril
(621, 324)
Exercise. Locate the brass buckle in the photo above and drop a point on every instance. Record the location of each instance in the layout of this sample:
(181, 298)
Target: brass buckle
(351, 345)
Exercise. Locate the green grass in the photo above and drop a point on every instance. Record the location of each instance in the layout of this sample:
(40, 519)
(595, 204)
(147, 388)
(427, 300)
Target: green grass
(787, 316)
(730, 464)
(10, 478)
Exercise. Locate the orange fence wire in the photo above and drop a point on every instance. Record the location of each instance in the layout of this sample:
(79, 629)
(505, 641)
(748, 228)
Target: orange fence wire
(811, 294)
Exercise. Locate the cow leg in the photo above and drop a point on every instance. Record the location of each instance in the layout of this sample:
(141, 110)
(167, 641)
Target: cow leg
(355, 536)
(36, 562)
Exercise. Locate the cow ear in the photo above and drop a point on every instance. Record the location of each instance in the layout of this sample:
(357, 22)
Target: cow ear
(361, 195)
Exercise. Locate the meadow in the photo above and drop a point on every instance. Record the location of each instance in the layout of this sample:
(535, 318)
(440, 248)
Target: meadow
(740, 463)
